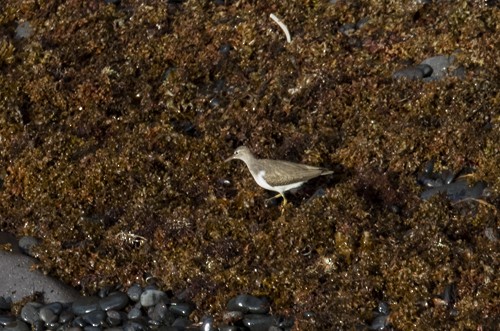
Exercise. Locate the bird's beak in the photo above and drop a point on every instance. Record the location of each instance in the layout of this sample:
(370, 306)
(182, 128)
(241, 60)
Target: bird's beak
(229, 158)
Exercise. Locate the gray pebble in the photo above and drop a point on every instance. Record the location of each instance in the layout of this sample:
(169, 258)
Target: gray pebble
(160, 313)
(258, 322)
(85, 305)
(95, 318)
(116, 300)
(134, 292)
(92, 328)
(417, 72)
(78, 321)
(207, 324)
(181, 309)
(181, 322)
(66, 316)
(27, 243)
(16, 325)
(47, 315)
(30, 312)
(248, 304)
(151, 297)
(134, 313)
(439, 65)
(5, 304)
(114, 317)
(5, 319)
(229, 328)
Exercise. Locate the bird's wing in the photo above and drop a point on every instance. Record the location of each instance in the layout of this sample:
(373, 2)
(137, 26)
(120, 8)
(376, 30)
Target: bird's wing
(285, 173)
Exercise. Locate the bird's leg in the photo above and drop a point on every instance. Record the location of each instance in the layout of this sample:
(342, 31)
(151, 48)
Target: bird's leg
(283, 204)
(272, 198)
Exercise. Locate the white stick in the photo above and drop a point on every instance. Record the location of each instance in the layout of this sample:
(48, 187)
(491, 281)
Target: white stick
(283, 27)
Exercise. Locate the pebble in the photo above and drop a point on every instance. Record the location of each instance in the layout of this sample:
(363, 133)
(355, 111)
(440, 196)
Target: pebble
(30, 312)
(151, 297)
(85, 305)
(259, 322)
(5, 304)
(182, 309)
(134, 292)
(115, 300)
(95, 318)
(413, 72)
(27, 243)
(248, 304)
(151, 309)
(47, 315)
(5, 319)
(16, 325)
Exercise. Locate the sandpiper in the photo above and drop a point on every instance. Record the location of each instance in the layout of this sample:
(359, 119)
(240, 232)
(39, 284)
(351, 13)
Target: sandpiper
(275, 175)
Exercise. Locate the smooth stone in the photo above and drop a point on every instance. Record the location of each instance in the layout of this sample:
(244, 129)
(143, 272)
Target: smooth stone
(66, 316)
(114, 317)
(248, 304)
(30, 313)
(74, 328)
(85, 305)
(379, 322)
(135, 326)
(181, 322)
(5, 304)
(104, 292)
(439, 65)
(134, 313)
(48, 326)
(27, 243)
(92, 328)
(95, 318)
(17, 325)
(258, 322)
(134, 292)
(47, 315)
(181, 309)
(5, 319)
(207, 324)
(417, 72)
(78, 321)
(19, 280)
(229, 328)
(151, 297)
(160, 313)
(116, 300)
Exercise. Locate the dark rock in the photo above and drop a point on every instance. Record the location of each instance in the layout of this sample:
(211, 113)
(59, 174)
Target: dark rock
(16, 325)
(258, 322)
(248, 304)
(134, 292)
(30, 313)
(27, 243)
(85, 305)
(151, 297)
(116, 300)
(181, 309)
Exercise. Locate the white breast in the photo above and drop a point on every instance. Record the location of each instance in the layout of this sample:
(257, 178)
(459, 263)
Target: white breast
(283, 188)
